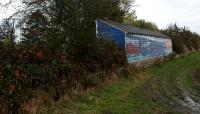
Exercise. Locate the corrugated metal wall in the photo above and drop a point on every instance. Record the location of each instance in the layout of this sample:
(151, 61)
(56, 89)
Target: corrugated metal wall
(108, 31)
(139, 47)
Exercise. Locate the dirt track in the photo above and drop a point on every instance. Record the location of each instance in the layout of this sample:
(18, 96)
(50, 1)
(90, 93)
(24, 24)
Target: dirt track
(171, 86)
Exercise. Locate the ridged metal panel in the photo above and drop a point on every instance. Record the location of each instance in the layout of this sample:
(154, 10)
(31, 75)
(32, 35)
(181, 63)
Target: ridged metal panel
(108, 31)
(136, 30)
(139, 48)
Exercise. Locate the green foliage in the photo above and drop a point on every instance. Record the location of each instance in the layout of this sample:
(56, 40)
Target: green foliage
(146, 25)
(70, 24)
(152, 91)
(110, 55)
(183, 39)
(130, 18)
(59, 48)
(7, 31)
(35, 27)
(26, 68)
(6, 42)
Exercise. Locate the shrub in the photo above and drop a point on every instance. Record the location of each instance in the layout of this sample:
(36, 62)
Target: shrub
(110, 55)
(27, 68)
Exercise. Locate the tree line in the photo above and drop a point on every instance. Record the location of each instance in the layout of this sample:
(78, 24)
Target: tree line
(58, 48)
(57, 51)
(183, 39)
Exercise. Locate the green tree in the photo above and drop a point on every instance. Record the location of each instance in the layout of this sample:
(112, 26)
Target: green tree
(72, 22)
(7, 30)
(35, 27)
(146, 25)
(183, 39)
(130, 18)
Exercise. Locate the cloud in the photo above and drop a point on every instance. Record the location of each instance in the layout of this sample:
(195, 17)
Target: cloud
(164, 12)
(8, 10)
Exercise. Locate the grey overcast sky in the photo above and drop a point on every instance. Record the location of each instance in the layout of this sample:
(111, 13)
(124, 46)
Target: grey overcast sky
(7, 11)
(161, 12)
(164, 12)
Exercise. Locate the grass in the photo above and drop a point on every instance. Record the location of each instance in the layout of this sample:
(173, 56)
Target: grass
(151, 91)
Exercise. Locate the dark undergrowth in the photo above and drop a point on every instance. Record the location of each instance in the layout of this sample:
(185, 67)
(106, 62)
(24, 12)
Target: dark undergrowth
(158, 89)
(39, 75)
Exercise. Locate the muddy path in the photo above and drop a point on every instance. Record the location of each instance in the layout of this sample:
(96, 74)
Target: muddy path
(173, 85)
(189, 102)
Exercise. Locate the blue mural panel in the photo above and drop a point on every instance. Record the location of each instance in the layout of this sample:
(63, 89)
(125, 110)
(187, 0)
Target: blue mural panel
(139, 48)
(105, 30)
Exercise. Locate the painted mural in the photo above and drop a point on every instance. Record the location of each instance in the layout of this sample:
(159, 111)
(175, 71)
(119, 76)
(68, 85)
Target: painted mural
(104, 30)
(139, 48)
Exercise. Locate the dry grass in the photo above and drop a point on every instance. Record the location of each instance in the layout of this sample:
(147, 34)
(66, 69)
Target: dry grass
(41, 101)
(37, 104)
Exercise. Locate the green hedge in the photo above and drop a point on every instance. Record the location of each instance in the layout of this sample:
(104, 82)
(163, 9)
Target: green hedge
(25, 69)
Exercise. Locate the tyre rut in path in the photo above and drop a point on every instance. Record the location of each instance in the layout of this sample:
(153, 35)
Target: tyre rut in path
(166, 87)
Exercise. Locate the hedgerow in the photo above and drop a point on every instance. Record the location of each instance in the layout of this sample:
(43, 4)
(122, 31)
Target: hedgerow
(25, 69)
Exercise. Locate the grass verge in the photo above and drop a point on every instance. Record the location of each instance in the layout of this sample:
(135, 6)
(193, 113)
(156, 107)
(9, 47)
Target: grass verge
(153, 90)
